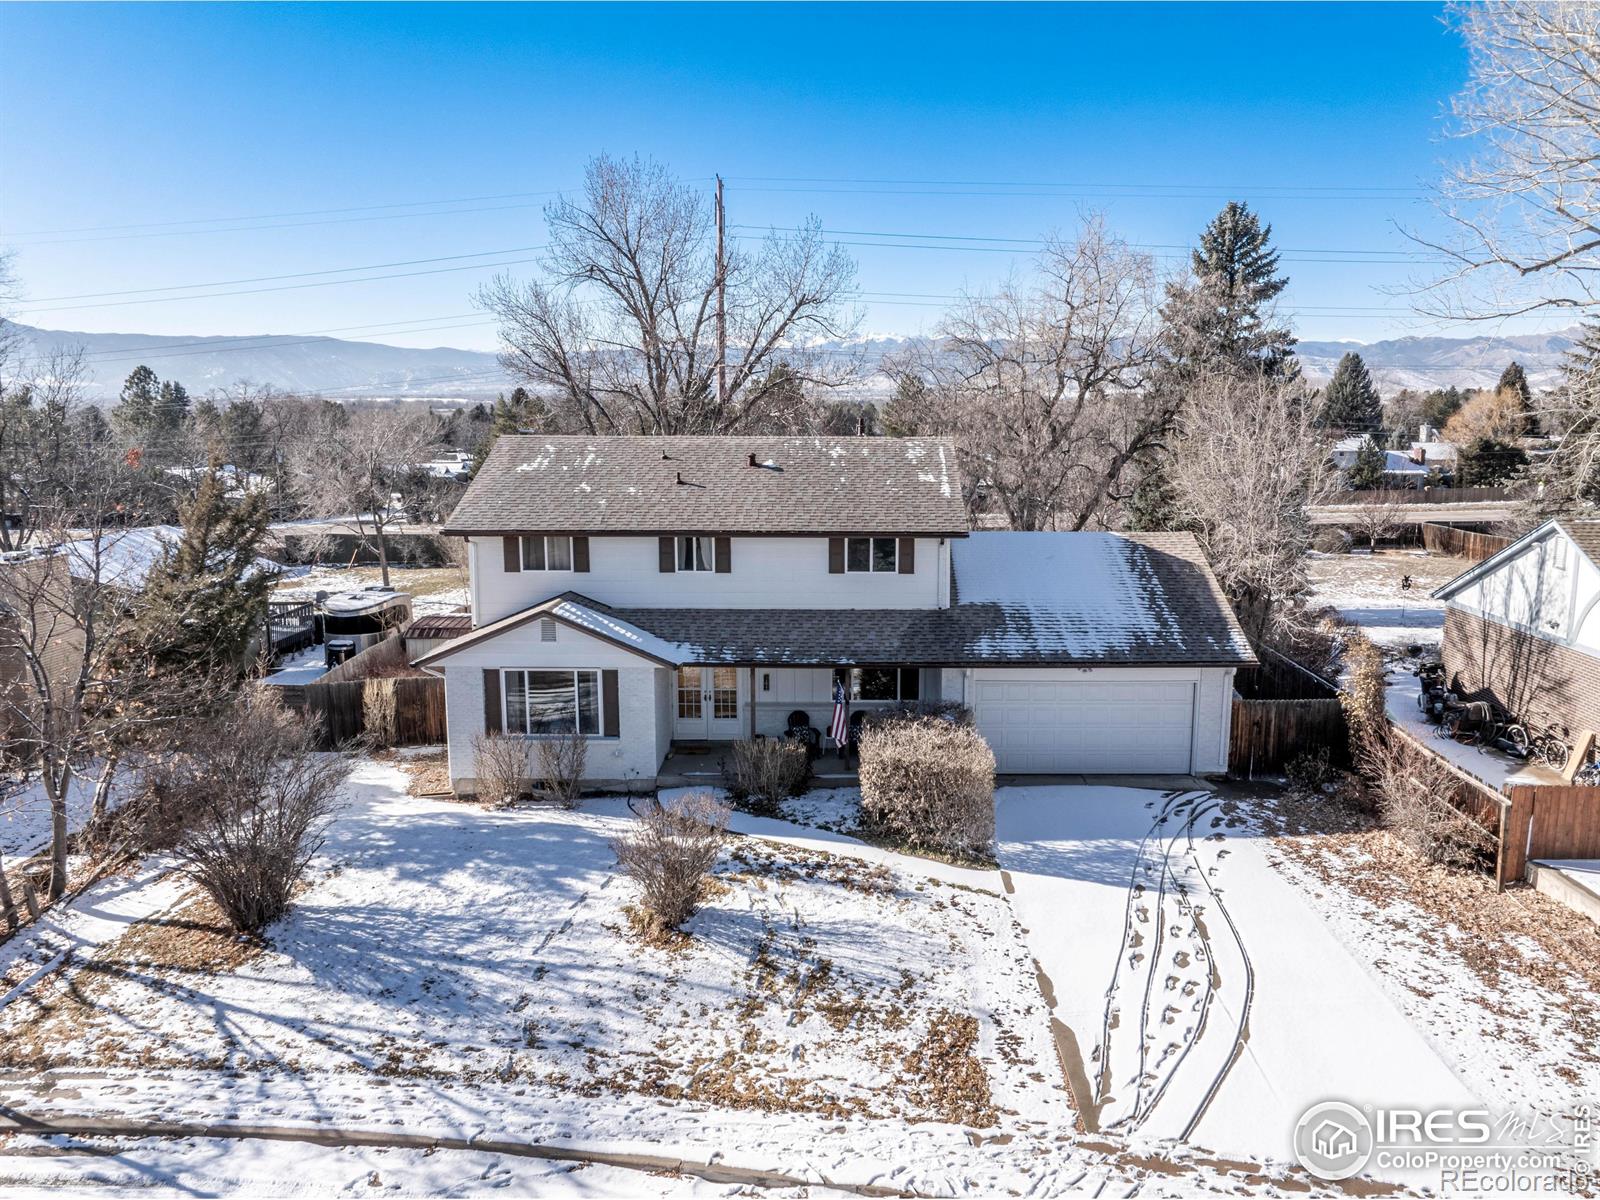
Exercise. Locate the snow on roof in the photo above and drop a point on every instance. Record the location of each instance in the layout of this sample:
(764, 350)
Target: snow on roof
(126, 556)
(612, 628)
(1097, 596)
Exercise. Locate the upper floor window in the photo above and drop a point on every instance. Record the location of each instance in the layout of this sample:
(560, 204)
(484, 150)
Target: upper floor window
(547, 554)
(871, 554)
(697, 554)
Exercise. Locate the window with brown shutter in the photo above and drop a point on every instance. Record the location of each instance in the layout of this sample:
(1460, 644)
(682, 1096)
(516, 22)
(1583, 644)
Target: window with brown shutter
(908, 556)
(580, 554)
(724, 555)
(608, 703)
(668, 548)
(836, 556)
(491, 700)
(512, 554)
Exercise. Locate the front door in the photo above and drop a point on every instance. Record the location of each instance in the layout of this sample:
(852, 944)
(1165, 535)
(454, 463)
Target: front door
(709, 705)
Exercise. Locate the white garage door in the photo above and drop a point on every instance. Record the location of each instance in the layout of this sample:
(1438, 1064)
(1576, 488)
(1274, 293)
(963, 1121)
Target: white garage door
(1041, 725)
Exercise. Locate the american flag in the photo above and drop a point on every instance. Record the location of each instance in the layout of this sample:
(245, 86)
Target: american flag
(839, 731)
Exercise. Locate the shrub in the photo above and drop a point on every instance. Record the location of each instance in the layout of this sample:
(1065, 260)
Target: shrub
(945, 710)
(562, 759)
(669, 853)
(255, 827)
(501, 768)
(765, 770)
(1415, 791)
(1363, 694)
(1312, 772)
(380, 711)
(1330, 539)
(928, 784)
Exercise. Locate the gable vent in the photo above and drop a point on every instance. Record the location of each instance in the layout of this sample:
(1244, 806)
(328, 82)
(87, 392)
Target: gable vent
(547, 631)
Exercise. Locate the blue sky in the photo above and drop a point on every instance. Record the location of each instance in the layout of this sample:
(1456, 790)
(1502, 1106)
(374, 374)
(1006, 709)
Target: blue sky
(250, 122)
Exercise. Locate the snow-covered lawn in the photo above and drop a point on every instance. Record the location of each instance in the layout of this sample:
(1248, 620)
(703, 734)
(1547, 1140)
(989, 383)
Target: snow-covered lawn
(432, 589)
(1205, 997)
(1365, 589)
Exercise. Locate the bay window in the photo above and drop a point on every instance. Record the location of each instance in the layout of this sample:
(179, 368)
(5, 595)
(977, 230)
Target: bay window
(546, 703)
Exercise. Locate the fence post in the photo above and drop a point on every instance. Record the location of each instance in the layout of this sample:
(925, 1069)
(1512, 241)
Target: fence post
(1516, 827)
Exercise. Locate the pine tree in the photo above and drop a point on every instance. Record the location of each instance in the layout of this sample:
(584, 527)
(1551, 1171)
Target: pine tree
(1368, 470)
(906, 412)
(135, 412)
(1153, 507)
(1486, 462)
(205, 601)
(521, 412)
(1514, 382)
(172, 408)
(1225, 313)
(1351, 402)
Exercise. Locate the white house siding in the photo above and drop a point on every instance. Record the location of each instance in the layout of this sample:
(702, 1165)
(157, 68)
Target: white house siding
(777, 572)
(630, 759)
(1549, 588)
(1212, 689)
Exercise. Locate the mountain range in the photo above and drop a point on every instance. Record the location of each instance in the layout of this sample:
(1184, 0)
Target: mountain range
(358, 370)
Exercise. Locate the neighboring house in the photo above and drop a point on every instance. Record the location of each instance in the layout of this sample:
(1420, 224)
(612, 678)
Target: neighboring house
(1522, 627)
(647, 591)
(1400, 469)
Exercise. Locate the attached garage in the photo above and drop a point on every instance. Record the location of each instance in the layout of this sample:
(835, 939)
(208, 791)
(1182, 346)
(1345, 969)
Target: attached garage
(1044, 722)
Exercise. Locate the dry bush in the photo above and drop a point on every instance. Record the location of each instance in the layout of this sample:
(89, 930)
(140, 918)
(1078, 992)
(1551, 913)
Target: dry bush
(501, 768)
(669, 853)
(928, 784)
(1363, 694)
(766, 770)
(1414, 790)
(380, 712)
(257, 819)
(562, 759)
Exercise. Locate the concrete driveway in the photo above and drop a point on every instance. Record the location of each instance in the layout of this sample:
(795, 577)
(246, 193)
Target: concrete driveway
(1198, 994)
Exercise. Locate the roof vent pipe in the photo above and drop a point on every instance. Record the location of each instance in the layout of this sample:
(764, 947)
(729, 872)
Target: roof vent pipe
(750, 459)
(680, 476)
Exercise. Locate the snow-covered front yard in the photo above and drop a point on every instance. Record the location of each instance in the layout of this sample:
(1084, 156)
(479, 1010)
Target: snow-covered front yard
(841, 1014)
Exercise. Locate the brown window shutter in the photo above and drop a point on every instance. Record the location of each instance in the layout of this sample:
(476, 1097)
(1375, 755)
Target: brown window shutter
(608, 703)
(580, 554)
(513, 554)
(908, 556)
(835, 556)
(491, 699)
(669, 554)
(724, 553)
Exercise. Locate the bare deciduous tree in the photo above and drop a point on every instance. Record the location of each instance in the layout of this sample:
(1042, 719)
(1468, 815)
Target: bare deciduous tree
(1524, 213)
(1249, 460)
(1044, 383)
(619, 331)
(348, 465)
(1376, 515)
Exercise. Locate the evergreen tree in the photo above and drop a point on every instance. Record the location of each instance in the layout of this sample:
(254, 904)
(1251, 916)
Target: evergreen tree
(521, 412)
(906, 412)
(1351, 402)
(1153, 507)
(204, 602)
(1486, 462)
(1514, 383)
(1439, 405)
(1224, 315)
(135, 412)
(172, 408)
(1368, 470)
(242, 432)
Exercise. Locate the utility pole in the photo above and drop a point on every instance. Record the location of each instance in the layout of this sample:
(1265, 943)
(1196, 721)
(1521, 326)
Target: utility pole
(722, 304)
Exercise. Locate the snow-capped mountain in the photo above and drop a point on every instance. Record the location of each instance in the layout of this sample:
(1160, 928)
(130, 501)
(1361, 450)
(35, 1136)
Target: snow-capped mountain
(350, 370)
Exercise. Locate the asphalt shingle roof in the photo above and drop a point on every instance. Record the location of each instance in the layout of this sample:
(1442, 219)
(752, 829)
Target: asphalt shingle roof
(1023, 599)
(532, 483)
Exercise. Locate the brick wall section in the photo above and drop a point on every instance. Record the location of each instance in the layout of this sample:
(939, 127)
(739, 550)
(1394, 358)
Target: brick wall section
(1527, 674)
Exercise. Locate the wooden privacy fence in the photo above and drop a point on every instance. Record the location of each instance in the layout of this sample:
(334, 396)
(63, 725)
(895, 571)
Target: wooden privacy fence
(1281, 711)
(1445, 539)
(1549, 822)
(339, 699)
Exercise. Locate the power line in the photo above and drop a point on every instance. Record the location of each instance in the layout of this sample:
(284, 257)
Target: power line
(1130, 195)
(1036, 184)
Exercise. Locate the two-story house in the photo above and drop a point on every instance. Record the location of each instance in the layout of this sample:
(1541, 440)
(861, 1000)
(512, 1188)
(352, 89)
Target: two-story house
(1523, 626)
(647, 591)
